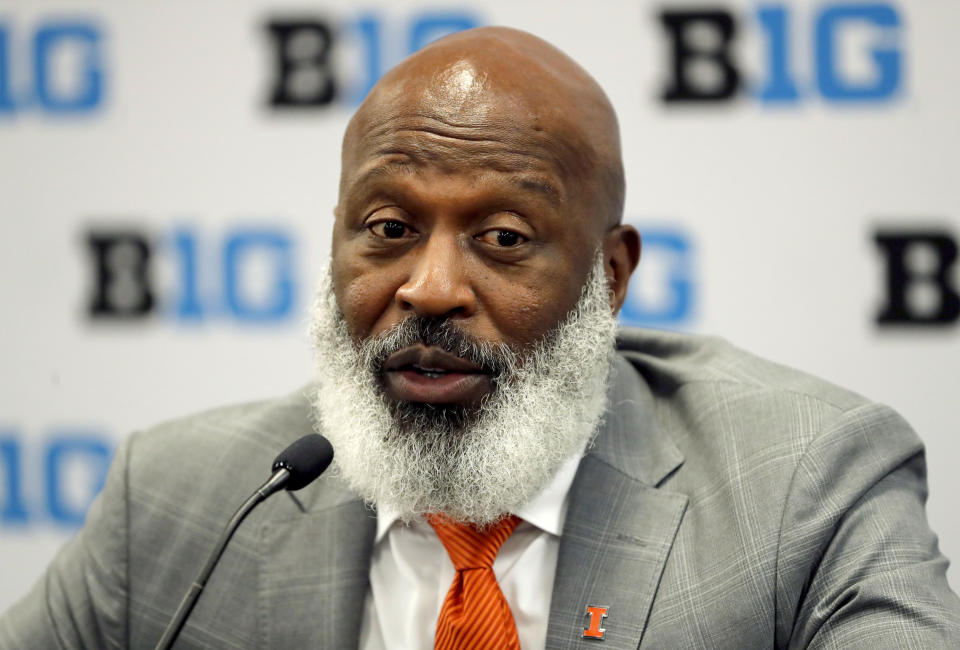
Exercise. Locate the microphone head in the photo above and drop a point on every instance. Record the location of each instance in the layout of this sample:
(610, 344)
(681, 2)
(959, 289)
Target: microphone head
(305, 459)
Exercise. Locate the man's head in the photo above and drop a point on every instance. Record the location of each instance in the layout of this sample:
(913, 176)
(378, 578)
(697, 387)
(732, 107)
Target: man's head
(481, 189)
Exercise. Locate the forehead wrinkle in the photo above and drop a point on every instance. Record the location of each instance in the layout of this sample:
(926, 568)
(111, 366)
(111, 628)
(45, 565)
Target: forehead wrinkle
(420, 133)
(490, 147)
(518, 128)
(392, 163)
(453, 156)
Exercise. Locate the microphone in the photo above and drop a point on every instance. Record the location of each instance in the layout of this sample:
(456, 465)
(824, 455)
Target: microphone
(293, 468)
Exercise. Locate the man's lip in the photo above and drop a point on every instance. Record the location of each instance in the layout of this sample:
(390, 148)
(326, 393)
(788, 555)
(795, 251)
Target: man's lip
(430, 358)
(431, 375)
(447, 388)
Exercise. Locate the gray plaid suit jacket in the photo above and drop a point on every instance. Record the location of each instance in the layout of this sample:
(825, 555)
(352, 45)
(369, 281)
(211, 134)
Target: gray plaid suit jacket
(727, 503)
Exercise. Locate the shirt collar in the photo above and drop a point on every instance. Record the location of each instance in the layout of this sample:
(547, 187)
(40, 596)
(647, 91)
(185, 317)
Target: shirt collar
(547, 511)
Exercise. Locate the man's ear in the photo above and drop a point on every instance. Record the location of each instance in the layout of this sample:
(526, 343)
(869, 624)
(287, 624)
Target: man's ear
(621, 253)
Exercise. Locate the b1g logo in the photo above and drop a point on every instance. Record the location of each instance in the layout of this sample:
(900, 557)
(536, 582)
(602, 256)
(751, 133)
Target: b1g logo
(662, 291)
(247, 274)
(55, 67)
(318, 62)
(920, 277)
(855, 52)
(53, 478)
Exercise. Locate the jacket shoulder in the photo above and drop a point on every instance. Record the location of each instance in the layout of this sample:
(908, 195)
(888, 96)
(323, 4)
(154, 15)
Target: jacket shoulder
(669, 361)
(726, 408)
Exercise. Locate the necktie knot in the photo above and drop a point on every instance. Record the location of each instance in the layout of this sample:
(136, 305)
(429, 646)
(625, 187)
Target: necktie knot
(470, 547)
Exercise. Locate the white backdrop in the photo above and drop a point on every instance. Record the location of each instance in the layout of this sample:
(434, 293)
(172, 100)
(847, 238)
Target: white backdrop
(131, 127)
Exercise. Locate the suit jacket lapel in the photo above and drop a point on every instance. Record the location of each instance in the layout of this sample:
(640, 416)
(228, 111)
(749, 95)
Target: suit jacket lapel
(313, 578)
(619, 527)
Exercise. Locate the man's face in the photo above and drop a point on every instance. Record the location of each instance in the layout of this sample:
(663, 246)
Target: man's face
(459, 204)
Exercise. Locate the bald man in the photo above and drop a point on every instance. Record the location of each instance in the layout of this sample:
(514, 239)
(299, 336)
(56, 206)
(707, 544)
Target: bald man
(511, 469)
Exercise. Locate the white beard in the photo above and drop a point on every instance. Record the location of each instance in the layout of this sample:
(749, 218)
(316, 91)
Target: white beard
(544, 409)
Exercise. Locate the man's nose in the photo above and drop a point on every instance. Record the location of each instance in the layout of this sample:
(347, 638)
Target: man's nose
(438, 284)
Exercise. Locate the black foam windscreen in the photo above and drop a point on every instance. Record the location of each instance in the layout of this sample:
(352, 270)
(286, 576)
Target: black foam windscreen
(305, 459)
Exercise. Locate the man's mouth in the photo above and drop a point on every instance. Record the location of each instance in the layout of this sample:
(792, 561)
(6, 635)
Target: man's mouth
(432, 375)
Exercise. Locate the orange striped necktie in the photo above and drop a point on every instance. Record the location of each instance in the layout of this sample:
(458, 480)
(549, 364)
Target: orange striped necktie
(475, 614)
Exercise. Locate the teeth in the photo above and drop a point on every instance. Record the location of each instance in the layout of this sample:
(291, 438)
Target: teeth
(432, 373)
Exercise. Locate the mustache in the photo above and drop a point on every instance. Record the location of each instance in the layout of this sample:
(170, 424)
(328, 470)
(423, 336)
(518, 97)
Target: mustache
(494, 358)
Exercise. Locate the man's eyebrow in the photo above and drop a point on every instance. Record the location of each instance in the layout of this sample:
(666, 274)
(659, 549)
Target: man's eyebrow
(538, 185)
(384, 168)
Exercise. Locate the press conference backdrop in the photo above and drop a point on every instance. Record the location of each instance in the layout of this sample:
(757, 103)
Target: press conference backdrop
(168, 171)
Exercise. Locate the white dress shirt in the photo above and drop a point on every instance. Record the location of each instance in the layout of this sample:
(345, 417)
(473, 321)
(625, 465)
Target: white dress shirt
(411, 573)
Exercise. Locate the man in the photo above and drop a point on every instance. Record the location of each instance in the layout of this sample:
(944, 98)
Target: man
(503, 477)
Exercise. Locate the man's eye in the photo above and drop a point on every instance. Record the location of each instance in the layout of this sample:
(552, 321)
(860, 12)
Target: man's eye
(388, 229)
(502, 238)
